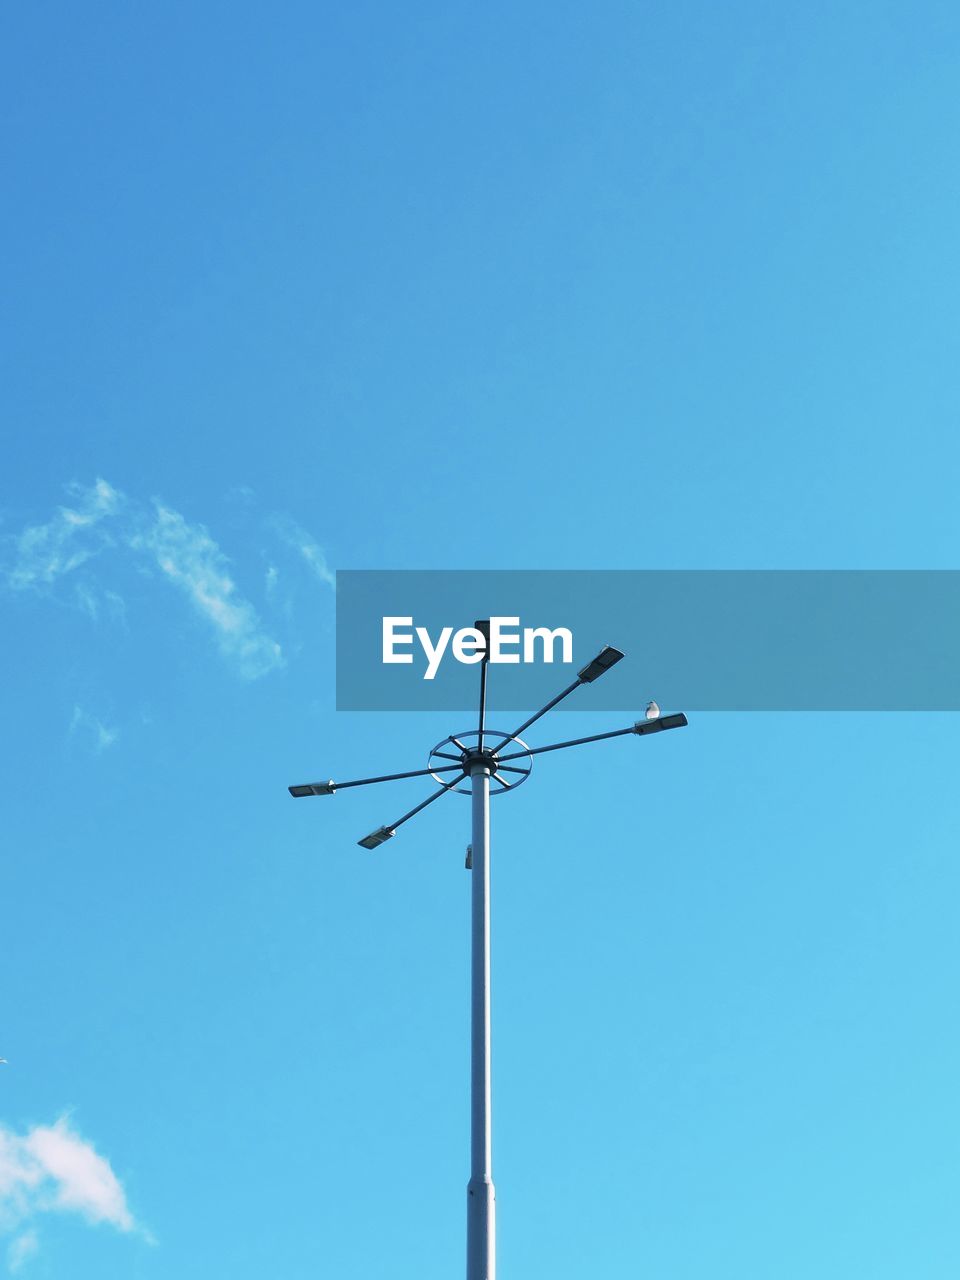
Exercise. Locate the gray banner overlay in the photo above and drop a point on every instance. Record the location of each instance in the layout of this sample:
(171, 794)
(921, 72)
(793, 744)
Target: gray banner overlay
(696, 640)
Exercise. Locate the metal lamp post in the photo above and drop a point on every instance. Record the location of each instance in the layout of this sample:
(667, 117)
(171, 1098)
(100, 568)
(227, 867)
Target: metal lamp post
(478, 762)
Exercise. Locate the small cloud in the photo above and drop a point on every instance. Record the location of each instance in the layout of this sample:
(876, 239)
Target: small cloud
(82, 1180)
(52, 1169)
(101, 736)
(87, 601)
(99, 518)
(97, 603)
(310, 552)
(192, 561)
(241, 494)
(42, 553)
(116, 606)
(21, 1250)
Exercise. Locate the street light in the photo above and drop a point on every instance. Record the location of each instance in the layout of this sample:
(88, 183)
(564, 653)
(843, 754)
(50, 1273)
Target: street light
(377, 838)
(483, 765)
(605, 659)
(314, 789)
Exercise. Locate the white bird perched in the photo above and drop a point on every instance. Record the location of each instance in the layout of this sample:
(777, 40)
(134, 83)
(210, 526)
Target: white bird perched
(653, 711)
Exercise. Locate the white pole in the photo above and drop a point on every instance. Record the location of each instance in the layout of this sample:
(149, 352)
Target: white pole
(481, 1196)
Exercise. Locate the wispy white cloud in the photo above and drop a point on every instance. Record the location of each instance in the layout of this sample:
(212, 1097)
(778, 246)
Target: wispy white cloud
(101, 518)
(87, 600)
(52, 1169)
(192, 561)
(21, 1250)
(296, 537)
(45, 552)
(241, 493)
(82, 1180)
(100, 734)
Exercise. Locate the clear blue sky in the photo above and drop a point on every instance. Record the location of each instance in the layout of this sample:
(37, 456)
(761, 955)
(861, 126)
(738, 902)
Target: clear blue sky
(311, 288)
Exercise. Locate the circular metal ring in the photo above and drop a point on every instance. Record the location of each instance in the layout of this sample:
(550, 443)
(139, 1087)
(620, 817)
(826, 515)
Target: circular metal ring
(463, 744)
